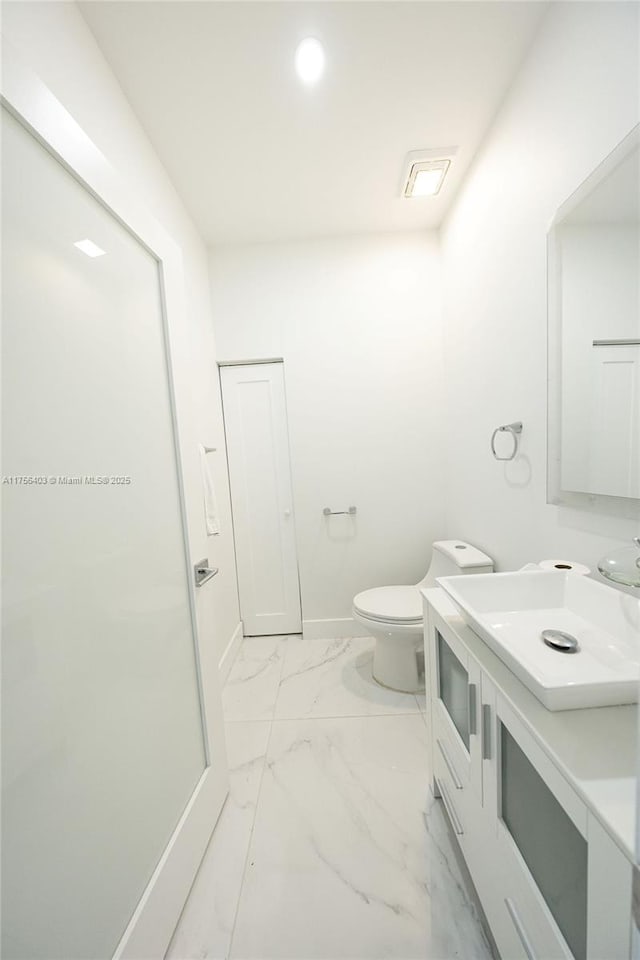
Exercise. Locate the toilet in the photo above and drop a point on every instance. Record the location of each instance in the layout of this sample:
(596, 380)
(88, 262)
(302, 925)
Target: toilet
(393, 615)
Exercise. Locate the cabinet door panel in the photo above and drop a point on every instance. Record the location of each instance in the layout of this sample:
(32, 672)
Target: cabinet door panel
(553, 849)
(542, 842)
(545, 767)
(453, 683)
(455, 701)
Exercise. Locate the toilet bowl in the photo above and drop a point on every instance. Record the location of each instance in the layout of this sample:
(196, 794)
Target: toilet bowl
(393, 615)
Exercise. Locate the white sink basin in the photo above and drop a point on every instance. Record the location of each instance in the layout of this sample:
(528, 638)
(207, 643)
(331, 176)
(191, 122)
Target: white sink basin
(510, 610)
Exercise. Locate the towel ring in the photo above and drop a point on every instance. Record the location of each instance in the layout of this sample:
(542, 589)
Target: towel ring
(515, 429)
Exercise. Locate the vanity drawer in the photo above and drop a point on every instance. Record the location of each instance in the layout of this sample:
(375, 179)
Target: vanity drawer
(456, 797)
(448, 772)
(446, 792)
(447, 759)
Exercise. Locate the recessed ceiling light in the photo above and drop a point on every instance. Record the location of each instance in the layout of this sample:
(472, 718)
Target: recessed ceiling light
(425, 178)
(425, 170)
(309, 60)
(90, 248)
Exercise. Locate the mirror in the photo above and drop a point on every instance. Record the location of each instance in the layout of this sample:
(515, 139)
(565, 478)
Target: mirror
(594, 339)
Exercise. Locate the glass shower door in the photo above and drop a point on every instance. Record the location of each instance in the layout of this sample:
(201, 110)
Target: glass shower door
(102, 729)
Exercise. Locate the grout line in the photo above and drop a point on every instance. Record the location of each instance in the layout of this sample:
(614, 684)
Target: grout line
(330, 716)
(251, 832)
(351, 716)
(270, 720)
(284, 646)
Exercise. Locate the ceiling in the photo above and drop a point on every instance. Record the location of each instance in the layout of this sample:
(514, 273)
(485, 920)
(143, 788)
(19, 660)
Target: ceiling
(256, 156)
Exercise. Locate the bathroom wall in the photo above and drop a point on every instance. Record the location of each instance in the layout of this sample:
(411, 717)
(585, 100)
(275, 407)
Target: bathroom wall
(358, 323)
(574, 99)
(54, 40)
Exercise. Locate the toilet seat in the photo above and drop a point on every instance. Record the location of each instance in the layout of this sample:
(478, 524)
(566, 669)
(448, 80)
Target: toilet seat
(390, 605)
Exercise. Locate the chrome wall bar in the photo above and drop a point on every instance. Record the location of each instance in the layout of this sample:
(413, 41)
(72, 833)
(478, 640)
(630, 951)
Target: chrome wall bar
(616, 343)
(328, 512)
(249, 363)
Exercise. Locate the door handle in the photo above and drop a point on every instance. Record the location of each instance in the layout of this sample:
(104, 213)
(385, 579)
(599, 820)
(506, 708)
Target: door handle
(203, 572)
(523, 936)
(486, 731)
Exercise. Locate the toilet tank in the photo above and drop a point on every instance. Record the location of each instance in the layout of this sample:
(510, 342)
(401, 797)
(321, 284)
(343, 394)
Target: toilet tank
(452, 558)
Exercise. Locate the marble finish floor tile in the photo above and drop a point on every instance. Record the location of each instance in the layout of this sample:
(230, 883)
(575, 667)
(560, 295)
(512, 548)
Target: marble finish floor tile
(330, 845)
(251, 690)
(207, 920)
(341, 863)
(333, 678)
(456, 927)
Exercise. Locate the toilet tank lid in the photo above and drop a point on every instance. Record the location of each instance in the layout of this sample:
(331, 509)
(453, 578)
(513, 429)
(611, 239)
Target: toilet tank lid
(463, 554)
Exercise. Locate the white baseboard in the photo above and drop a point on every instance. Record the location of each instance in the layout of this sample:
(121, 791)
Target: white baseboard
(151, 927)
(228, 658)
(331, 629)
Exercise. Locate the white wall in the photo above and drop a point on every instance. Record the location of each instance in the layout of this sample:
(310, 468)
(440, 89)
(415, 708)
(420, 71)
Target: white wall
(358, 323)
(575, 98)
(55, 42)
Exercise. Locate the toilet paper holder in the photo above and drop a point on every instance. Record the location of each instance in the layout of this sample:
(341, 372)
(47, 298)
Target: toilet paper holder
(515, 429)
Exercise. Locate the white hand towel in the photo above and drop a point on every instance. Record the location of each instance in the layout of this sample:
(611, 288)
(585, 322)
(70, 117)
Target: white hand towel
(209, 494)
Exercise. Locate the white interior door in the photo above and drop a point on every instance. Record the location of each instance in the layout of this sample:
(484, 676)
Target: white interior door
(113, 767)
(255, 416)
(615, 421)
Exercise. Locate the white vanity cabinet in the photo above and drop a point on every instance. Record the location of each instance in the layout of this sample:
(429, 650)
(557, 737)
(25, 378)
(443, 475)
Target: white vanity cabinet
(553, 882)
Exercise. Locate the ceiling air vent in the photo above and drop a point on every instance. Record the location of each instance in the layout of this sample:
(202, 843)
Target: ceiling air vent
(425, 171)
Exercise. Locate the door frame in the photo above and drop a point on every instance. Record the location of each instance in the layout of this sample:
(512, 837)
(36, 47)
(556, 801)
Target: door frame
(32, 103)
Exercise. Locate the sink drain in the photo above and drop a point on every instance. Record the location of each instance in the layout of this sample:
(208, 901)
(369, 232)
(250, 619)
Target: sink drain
(560, 641)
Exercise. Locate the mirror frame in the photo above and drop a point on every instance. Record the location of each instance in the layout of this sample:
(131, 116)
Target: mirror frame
(593, 502)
